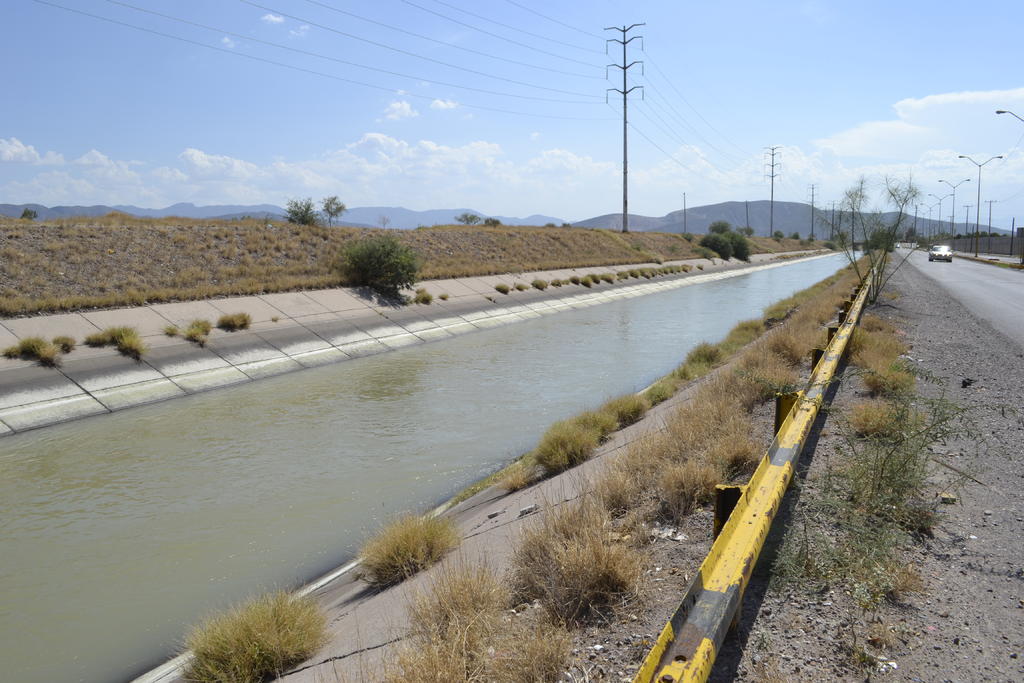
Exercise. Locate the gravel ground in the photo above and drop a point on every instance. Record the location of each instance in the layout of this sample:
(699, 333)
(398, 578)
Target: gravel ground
(967, 623)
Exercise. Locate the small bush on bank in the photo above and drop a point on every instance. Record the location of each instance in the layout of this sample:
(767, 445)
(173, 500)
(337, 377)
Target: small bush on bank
(520, 287)
(718, 243)
(608, 277)
(65, 343)
(407, 546)
(171, 330)
(231, 322)
(380, 262)
(575, 279)
(557, 283)
(704, 353)
(685, 486)
(539, 284)
(564, 445)
(125, 339)
(586, 281)
(443, 297)
(627, 409)
(424, 297)
(261, 638)
(198, 331)
(662, 390)
(740, 246)
(35, 348)
(873, 418)
(567, 563)
(502, 287)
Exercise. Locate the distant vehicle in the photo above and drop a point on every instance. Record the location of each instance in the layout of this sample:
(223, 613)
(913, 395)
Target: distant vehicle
(940, 252)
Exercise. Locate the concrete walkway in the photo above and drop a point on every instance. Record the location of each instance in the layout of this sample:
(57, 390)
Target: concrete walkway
(290, 331)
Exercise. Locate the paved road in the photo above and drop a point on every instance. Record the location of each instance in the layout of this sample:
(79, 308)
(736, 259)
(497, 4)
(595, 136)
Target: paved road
(991, 293)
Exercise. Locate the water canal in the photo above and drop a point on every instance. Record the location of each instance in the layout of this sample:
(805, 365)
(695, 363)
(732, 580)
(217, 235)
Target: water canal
(117, 532)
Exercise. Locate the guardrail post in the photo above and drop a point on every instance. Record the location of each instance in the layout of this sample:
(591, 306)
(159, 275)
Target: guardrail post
(726, 497)
(816, 355)
(783, 406)
(832, 332)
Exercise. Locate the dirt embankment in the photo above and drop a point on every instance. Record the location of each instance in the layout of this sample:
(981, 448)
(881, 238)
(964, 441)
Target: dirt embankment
(116, 261)
(964, 620)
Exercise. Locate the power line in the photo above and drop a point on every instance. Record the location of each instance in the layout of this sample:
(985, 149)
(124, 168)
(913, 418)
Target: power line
(448, 44)
(551, 19)
(520, 30)
(413, 54)
(773, 151)
(340, 61)
(292, 67)
(496, 35)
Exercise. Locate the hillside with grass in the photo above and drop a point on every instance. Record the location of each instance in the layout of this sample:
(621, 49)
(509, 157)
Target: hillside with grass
(117, 260)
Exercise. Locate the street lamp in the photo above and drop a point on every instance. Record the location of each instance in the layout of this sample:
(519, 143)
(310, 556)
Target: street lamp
(1003, 111)
(940, 209)
(952, 228)
(977, 220)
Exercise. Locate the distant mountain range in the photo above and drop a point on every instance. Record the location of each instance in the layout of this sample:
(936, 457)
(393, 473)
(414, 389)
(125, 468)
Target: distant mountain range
(789, 217)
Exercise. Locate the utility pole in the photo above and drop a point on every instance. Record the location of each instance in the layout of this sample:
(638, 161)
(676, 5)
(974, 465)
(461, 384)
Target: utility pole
(832, 225)
(684, 212)
(625, 99)
(967, 225)
(772, 152)
(990, 202)
(746, 207)
(916, 206)
(812, 211)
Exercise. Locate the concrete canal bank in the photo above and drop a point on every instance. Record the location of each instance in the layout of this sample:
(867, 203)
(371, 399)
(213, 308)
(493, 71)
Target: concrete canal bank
(290, 331)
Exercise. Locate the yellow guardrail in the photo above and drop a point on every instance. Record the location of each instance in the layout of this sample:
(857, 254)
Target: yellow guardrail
(688, 644)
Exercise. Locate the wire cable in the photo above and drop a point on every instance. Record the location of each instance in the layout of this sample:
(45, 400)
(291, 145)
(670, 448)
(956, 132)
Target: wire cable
(495, 35)
(339, 61)
(292, 67)
(448, 44)
(413, 54)
(553, 20)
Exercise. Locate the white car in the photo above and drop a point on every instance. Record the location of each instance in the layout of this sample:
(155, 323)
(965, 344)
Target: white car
(940, 252)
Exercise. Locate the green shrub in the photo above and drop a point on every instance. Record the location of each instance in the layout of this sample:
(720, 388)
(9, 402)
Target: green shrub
(261, 638)
(740, 246)
(540, 284)
(502, 287)
(778, 235)
(688, 236)
(380, 262)
(231, 322)
(718, 243)
(719, 228)
(704, 252)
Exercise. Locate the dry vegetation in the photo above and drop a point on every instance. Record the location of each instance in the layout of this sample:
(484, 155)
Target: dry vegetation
(406, 546)
(119, 260)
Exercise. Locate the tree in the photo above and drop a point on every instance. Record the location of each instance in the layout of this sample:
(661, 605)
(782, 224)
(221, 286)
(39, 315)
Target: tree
(718, 243)
(380, 262)
(468, 218)
(747, 231)
(720, 228)
(300, 211)
(794, 236)
(332, 207)
(740, 245)
(29, 215)
(492, 222)
(778, 234)
(383, 221)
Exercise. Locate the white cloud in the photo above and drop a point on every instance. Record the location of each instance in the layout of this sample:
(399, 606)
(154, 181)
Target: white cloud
(444, 104)
(400, 110)
(272, 19)
(299, 32)
(534, 135)
(227, 42)
(13, 149)
(94, 158)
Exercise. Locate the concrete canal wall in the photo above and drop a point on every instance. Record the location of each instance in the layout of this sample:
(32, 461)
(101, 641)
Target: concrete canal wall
(290, 331)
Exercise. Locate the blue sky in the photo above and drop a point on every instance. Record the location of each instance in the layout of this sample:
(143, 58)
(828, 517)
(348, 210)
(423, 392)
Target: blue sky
(98, 112)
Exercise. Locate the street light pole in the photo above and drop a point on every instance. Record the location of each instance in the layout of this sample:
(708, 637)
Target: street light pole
(940, 207)
(965, 180)
(978, 217)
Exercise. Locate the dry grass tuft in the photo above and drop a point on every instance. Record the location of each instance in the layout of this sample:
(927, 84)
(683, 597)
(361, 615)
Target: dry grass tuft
(171, 330)
(65, 343)
(685, 486)
(627, 409)
(263, 637)
(662, 390)
(502, 287)
(198, 331)
(874, 418)
(540, 284)
(232, 322)
(565, 444)
(520, 287)
(463, 631)
(568, 563)
(518, 475)
(407, 546)
(424, 297)
(125, 339)
(35, 348)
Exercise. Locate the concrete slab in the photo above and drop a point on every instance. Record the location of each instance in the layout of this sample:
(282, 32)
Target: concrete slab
(117, 398)
(145, 320)
(317, 358)
(5, 430)
(459, 327)
(50, 412)
(367, 347)
(336, 300)
(294, 339)
(243, 347)
(50, 326)
(182, 358)
(432, 334)
(269, 368)
(337, 332)
(184, 312)
(453, 288)
(294, 304)
(397, 341)
(105, 372)
(258, 309)
(7, 338)
(375, 325)
(210, 379)
(411, 320)
(34, 384)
